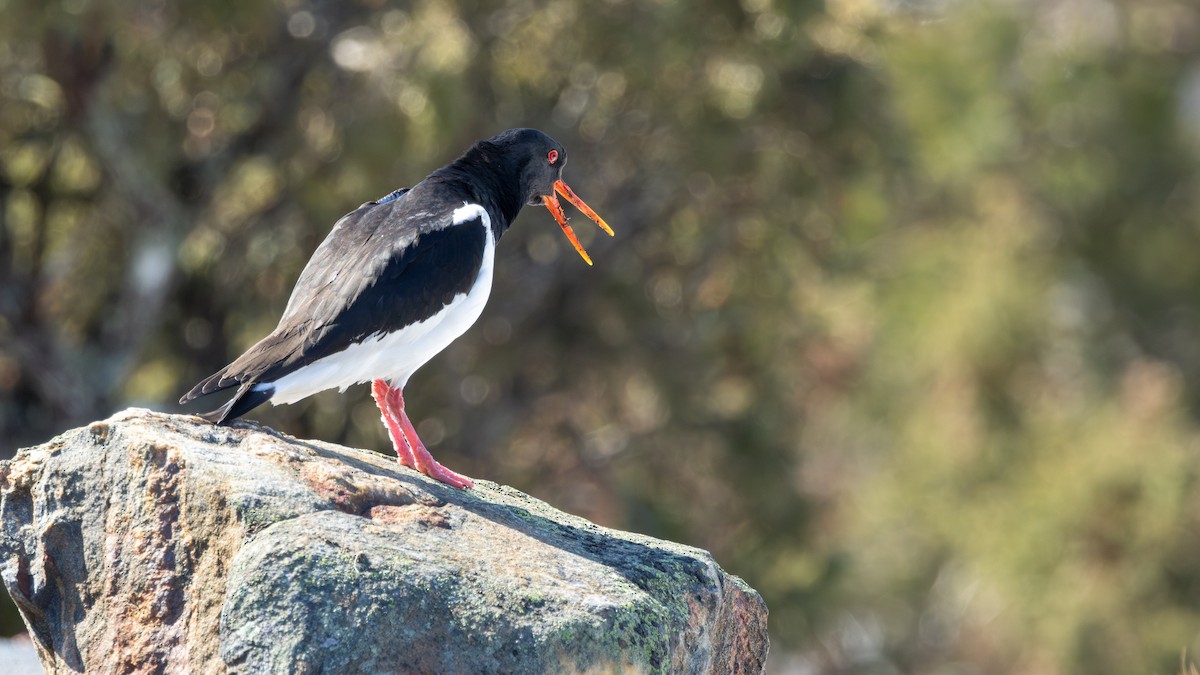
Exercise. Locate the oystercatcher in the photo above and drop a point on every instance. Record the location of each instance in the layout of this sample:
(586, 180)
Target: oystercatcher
(395, 282)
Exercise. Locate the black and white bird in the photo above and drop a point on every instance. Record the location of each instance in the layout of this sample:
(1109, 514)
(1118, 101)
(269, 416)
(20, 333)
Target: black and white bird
(395, 282)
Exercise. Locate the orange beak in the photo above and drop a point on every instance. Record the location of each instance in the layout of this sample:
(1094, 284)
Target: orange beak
(552, 205)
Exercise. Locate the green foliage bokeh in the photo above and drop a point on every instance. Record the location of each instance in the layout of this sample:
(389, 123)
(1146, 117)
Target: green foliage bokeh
(900, 320)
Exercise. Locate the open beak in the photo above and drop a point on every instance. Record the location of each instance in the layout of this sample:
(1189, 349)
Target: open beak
(552, 205)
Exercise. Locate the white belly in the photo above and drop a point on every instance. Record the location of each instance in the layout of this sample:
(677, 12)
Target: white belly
(396, 356)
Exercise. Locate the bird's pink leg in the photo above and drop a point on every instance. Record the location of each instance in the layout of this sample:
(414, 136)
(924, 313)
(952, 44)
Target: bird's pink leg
(380, 391)
(425, 463)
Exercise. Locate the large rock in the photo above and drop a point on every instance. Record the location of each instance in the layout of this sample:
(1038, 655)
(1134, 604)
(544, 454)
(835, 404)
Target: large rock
(151, 543)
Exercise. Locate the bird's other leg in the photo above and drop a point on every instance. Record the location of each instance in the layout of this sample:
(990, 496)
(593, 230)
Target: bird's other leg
(381, 391)
(425, 463)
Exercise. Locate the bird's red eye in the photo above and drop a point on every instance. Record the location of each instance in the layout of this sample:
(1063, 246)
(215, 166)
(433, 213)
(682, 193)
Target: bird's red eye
(552, 156)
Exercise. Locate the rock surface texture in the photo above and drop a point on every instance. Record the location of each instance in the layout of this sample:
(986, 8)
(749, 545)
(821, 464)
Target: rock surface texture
(154, 543)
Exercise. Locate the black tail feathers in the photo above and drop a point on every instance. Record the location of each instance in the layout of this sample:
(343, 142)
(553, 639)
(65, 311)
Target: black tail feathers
(248, 397)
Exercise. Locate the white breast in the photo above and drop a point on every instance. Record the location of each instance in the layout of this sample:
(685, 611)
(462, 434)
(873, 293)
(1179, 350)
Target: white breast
(396, 356)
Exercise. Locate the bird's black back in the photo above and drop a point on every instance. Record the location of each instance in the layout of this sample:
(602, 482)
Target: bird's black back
(384, 266)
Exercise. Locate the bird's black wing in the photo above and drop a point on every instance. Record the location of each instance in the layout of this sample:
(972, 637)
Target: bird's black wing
(384, 266)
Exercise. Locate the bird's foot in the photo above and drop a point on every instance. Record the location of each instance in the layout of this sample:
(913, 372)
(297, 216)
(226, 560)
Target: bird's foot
(429, 466)
(409, 449)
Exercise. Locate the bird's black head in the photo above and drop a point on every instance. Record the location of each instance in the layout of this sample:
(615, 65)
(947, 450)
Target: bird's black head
(536, 162)
(530, 156)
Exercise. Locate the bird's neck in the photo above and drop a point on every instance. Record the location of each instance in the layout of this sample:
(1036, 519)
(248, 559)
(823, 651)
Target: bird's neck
(493, 185)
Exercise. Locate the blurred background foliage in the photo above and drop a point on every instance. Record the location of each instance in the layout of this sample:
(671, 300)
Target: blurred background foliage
(900, 320)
